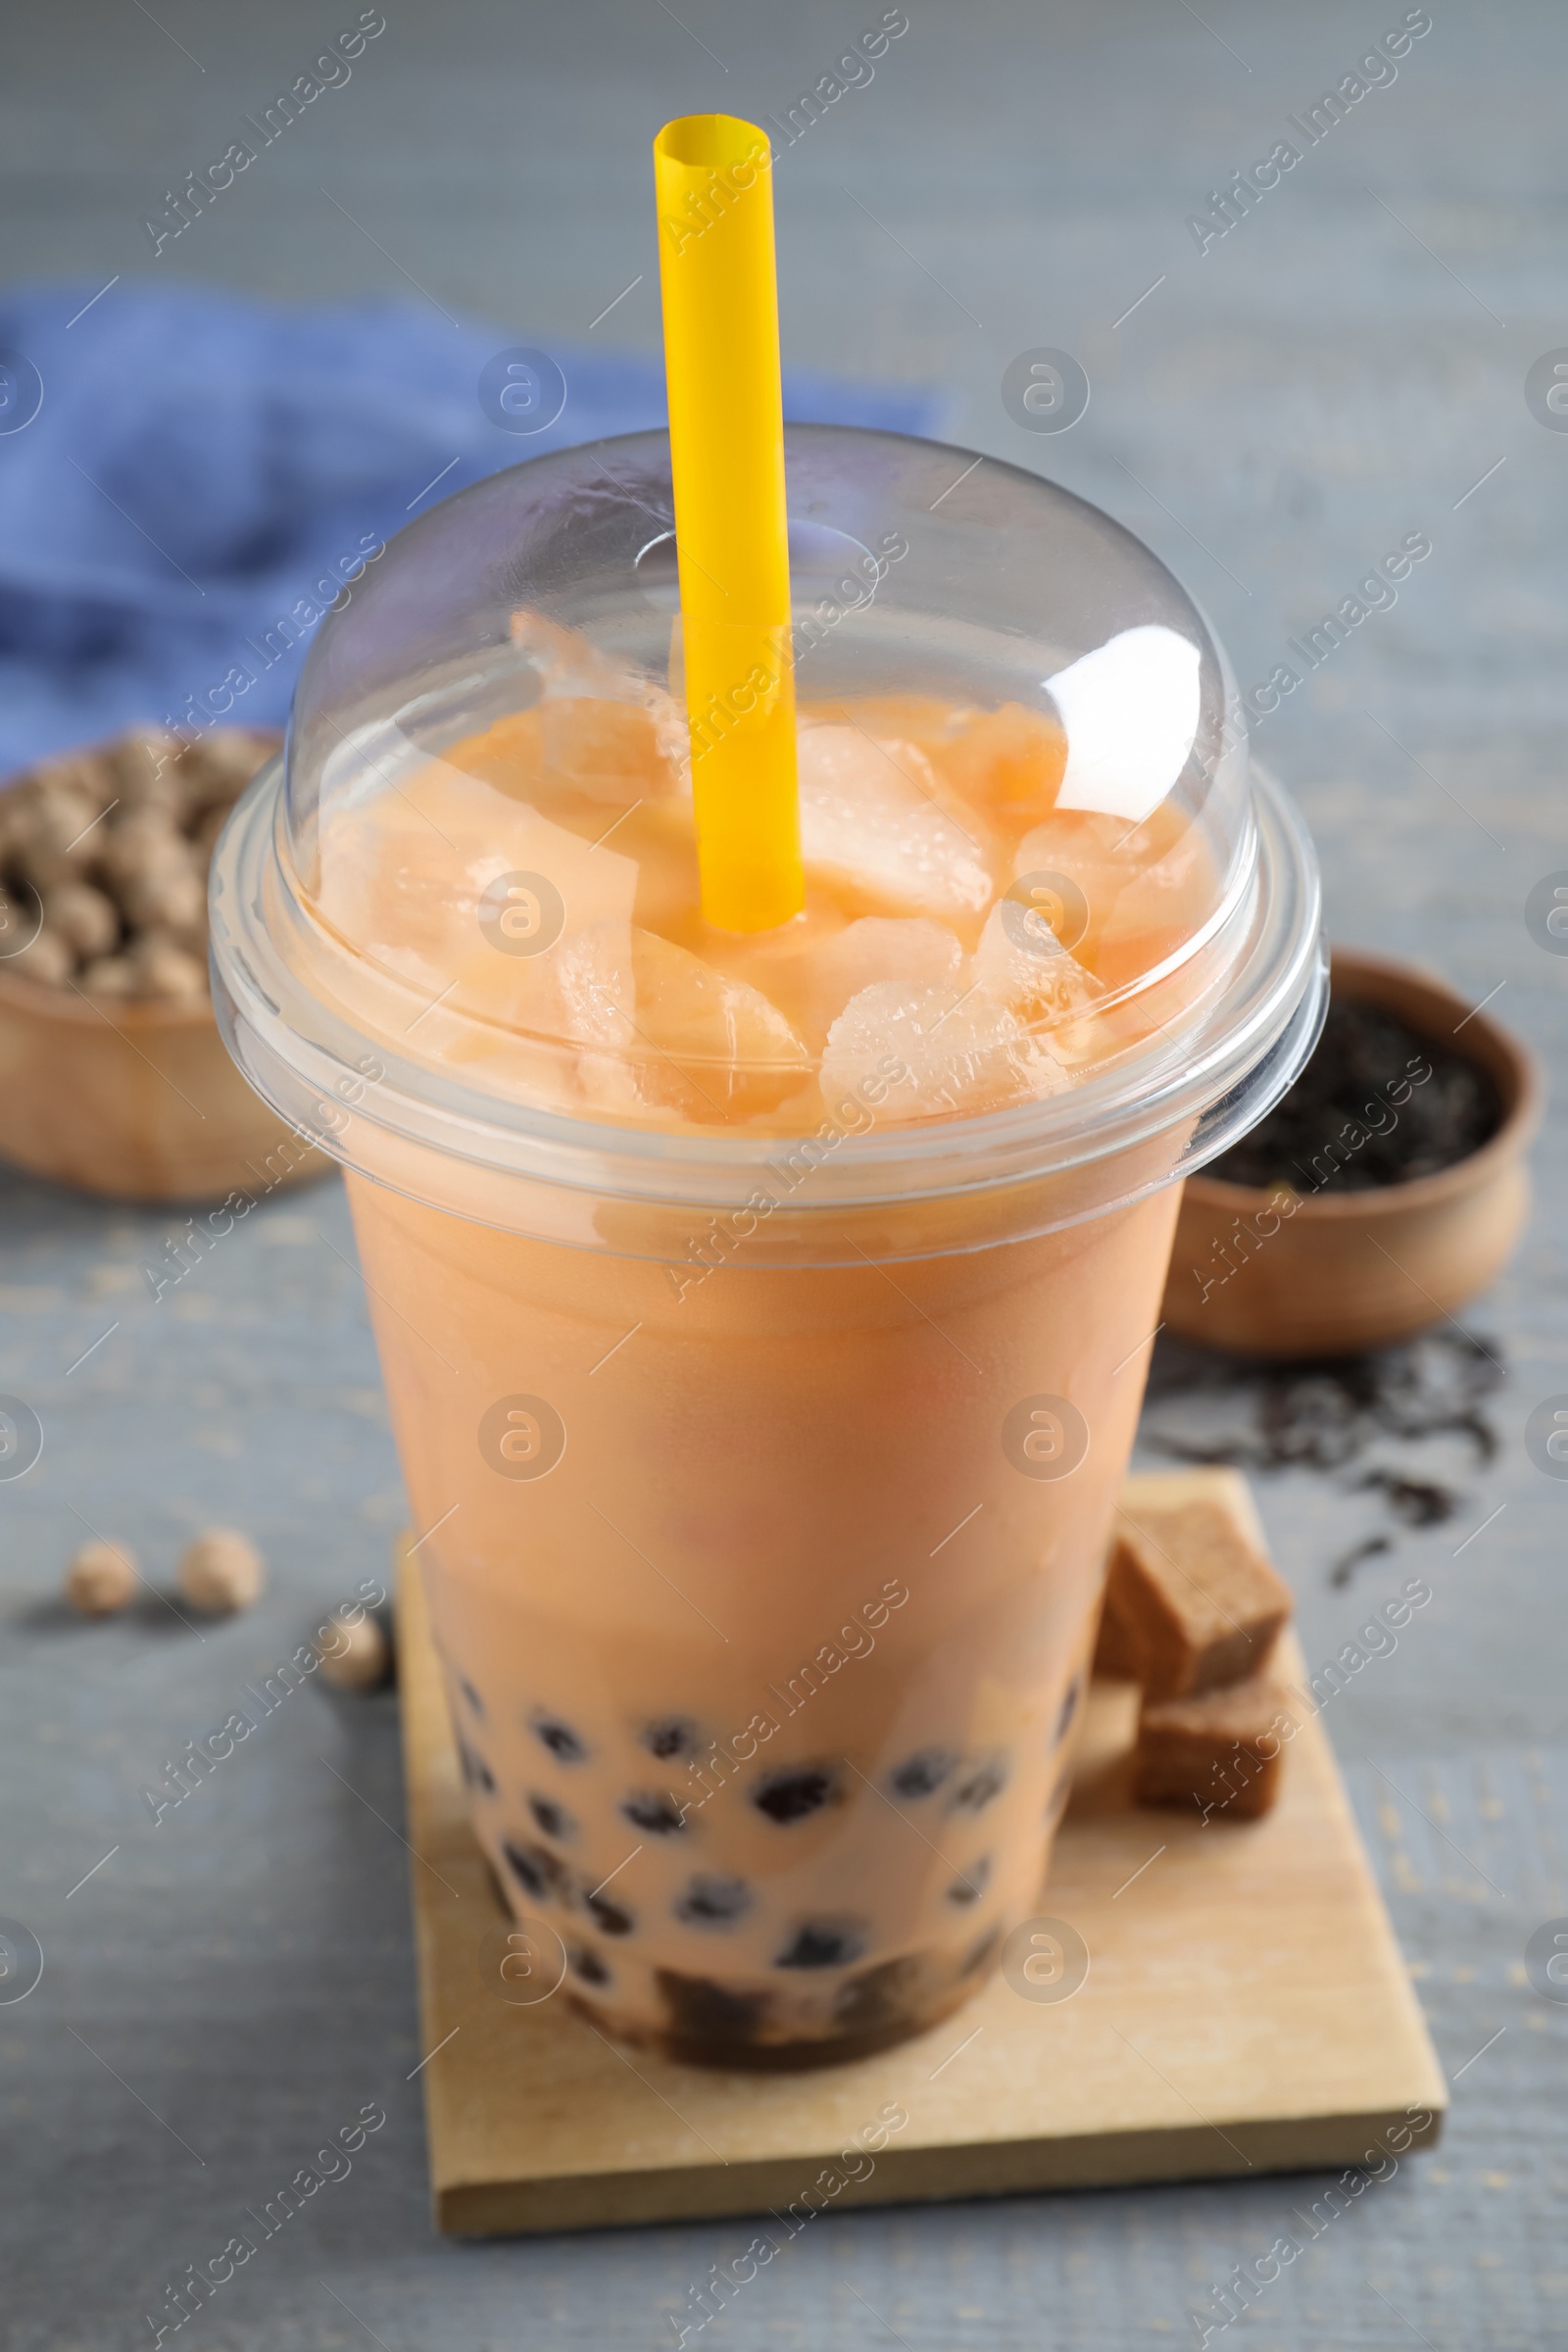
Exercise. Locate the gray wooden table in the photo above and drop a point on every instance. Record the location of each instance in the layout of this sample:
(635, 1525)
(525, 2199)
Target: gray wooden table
(1345, 365)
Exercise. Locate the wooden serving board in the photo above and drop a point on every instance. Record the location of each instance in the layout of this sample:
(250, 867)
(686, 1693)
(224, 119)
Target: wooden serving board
(1245, 2010)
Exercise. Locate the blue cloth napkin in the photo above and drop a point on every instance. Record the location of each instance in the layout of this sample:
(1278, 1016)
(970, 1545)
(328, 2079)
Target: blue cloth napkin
(199, 462)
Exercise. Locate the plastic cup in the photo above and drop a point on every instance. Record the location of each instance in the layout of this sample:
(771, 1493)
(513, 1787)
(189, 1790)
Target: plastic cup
(762, 1480)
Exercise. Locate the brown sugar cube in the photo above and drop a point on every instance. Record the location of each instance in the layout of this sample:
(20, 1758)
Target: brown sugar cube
(1190, 1601)
(1218, 1751)
(1117, 1651)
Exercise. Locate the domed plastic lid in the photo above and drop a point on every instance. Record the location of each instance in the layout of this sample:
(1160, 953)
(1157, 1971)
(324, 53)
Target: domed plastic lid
(1034, 866)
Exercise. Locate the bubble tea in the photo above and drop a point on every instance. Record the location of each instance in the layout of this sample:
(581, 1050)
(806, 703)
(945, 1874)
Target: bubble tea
(765, 1316)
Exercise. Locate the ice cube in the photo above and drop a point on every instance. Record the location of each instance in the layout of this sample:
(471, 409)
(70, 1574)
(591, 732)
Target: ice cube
(927, 1054)
(709, 1044)
(1021, 964)
(1009, 762)
(873, 824)
(913, 949)
(570, 667)
(484, 905)
(579, 747)
(1137, 894)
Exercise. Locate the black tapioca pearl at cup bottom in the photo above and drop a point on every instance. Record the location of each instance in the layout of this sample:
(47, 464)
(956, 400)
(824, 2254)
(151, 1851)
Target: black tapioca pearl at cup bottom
(657, 1812)
(540, 1871)
(712, 1901)
(979, 1783)
(1069, 1708)
(887, 1994)
(797, 1792)
(563, 1742)
(980, 1954)
(475, 1702)
(823, 1943)
(613, 1917)
(971, 1883)
(553, 1819)
(475, 1771)
(586, 1964)
(922, 1773)
(701, 2011)
(672, 1735)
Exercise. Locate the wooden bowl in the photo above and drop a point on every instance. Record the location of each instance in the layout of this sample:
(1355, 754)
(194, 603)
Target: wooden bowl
(139, 1100)
(1349, 1271)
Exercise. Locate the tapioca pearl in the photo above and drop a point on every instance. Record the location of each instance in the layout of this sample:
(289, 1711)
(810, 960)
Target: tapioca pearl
(797, 1792)
(712, 1901)
(824, 1943)
(553, 1819)
(612, 1917)
(1069, 1708)
(475, 1702)
(979, 1783)
(702, 2012)
(922, 1773)
(587, 1964)
(475, 1771)
(672, 1735)
(563, 1744)
(980, 1953)
(661, 1814)
(540, 1871)
(892, 1993)
(971, 1883)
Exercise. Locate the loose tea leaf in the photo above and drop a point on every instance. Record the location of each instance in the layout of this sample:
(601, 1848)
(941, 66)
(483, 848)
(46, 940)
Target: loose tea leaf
(1323, 1416)
(1362, 1114)
(1346, 1566)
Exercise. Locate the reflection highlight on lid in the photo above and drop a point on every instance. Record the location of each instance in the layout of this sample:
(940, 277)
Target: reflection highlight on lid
(1130, 710)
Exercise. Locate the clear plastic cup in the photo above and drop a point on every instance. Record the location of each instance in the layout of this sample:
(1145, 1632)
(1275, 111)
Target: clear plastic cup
(763, 1471)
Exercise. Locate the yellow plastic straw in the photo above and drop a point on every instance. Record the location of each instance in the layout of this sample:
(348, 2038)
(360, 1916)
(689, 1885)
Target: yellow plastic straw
(714, 184)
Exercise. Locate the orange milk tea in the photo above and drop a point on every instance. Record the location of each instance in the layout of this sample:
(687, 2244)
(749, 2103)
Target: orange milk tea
(765, 1591)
